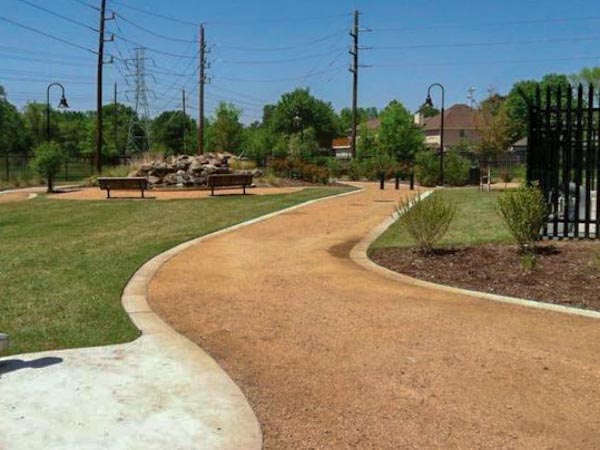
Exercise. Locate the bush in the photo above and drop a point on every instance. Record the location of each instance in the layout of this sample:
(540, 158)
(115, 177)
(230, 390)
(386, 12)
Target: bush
(426, 220)
(456, 169)
(524, 211)
(48, 159)
(427, 168)
(296, 168)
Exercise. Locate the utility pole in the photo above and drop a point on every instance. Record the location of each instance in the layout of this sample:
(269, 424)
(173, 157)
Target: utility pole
(354, 69)
(99, 81)
(184, 123)
(201, 82)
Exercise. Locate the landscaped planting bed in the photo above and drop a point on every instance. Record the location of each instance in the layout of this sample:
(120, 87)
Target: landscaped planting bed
(477, 254)
(565, 273)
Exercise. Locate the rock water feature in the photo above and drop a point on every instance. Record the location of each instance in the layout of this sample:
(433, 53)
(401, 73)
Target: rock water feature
(187, 170)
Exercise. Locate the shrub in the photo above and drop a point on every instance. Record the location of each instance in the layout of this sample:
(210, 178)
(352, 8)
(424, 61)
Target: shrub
(242, 165)
(48, 159)
(427, 168)
(524, 211)
(456, 169)
(426, 220)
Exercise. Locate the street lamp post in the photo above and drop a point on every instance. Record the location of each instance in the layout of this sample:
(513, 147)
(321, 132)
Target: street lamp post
(429, 102)
(62, 104)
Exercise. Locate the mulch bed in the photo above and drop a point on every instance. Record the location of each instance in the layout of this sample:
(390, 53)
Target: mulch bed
(566, 273)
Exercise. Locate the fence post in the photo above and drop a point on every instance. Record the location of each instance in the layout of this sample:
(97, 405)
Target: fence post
(397, 180)
(412, 181)
(382, 181)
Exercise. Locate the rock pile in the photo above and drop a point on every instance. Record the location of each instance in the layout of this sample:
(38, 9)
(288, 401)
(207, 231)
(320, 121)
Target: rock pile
(186, 170)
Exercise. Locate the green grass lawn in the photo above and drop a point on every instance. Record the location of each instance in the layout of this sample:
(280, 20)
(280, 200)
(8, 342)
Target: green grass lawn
(64, 264)
(477, 222)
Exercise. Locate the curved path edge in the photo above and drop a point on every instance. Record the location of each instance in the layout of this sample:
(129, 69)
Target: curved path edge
(359, 255)
(135, 303)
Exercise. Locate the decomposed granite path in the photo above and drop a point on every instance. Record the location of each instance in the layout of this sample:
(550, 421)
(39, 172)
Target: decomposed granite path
(331, 355)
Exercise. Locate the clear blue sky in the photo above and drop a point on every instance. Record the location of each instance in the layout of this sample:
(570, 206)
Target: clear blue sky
(262, 48)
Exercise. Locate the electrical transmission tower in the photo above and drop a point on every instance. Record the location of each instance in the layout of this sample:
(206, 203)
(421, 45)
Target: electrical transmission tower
(140, 119)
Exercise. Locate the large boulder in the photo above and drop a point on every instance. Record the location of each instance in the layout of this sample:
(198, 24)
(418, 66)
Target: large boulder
(153, 180)
(170, 179)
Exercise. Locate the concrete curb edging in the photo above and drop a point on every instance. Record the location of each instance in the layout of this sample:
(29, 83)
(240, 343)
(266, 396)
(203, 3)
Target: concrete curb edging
(135, 303)
(359, 255)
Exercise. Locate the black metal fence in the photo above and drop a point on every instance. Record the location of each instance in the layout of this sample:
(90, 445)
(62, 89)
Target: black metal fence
(564, 158)
(16, 168)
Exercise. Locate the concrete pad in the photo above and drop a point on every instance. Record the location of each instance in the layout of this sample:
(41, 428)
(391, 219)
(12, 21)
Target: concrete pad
(154, 393)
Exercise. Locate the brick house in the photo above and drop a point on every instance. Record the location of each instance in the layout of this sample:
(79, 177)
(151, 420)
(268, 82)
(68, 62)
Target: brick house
(462, 125)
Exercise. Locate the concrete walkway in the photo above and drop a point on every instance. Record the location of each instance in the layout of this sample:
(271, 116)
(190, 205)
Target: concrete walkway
(332, 355)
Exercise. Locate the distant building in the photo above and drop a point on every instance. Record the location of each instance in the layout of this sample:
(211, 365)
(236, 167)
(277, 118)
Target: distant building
(462, 125)
(341, 145)
(341, 148)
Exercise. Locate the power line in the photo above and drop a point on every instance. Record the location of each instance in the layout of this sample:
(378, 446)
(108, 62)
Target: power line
(489, 24)
(153, 14)
(44, 61)
(61, 16)
(43, 33)
(153, 33)
(278, 80)
(487, 44)
(154, 50)
(231, 91)
(456, 63)
(81, 2)
(279, 61)
(276, 49)
(20, 51)
(234, 23)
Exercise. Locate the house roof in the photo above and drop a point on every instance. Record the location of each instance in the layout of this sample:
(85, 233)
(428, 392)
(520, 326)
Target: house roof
(460, 117)
(521, 142)
(341, 142)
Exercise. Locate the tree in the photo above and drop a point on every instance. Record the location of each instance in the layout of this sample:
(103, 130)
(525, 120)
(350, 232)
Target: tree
(299, 110)
(169, 130)
(517, 107)
(116, 129)
(13, 138)
(368, 144)
(259, 143)
(428, 111)
(35, 120)
(364, 114)
(588, 75)
(398, 135)
(47, 161)
(227, 130)
(74, 133)
(494, 128)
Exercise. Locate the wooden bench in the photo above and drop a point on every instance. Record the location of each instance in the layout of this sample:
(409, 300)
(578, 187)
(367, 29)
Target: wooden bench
(215, 181)
(123, 184)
